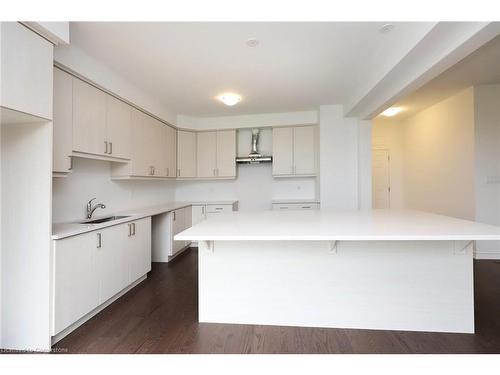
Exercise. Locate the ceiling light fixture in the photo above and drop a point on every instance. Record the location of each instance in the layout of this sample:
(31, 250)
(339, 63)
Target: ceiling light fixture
(229, 98)
(252, 42)
(393, 111)
(386, 28)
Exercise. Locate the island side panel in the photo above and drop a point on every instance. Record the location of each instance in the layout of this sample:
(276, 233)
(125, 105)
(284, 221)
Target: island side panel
(389, 285)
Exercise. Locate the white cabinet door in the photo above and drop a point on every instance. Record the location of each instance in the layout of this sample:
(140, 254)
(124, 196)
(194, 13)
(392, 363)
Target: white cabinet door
(26, 62)
(206, 154)
(282, 151)
(198, 214)
(62, 121)
(186, 153)
(304, 150)
(75, 279)
(139, 249)
(112, 261)
(226, 153)
(89, 119)
(118, 127)
(171, 151)
(178, 225)
(140, 163)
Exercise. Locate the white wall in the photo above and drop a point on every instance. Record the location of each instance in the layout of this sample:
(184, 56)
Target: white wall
(388, 134)
(92, 178)
(339, 155)
(255, 187)
(487, 152)
(439, 158)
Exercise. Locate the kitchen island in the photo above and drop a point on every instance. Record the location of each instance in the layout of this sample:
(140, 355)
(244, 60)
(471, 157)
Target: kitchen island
(367, 269)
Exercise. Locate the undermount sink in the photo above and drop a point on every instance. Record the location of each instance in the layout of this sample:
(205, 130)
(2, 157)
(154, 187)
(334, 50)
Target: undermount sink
(103, 220)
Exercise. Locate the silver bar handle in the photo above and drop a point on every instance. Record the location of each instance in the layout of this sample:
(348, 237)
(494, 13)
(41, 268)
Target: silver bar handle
(174, 215)
(99, 240)
(133, 225)
(179, 172)
(110, 148)
(105, 147)
(129, 229)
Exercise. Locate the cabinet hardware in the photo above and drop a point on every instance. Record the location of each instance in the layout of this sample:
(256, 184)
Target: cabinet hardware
(70, 163)
(110, 148)
(133, 226)
(174, 215)
(105, 147)
(129, 229)
(153, 171)
(203, 210)
(179, 172)
(306, 207)
(99, 240)
(219, 208)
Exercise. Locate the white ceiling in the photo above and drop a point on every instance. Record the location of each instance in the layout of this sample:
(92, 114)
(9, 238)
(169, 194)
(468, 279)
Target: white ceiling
(296, 66)
(479, 68)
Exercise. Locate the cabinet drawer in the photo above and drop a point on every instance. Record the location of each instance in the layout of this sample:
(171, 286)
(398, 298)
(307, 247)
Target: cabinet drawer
(216, 209)
(295, 206)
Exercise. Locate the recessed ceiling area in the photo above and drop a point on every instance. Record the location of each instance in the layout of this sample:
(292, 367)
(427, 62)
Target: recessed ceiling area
(292, 67)
(479, 68)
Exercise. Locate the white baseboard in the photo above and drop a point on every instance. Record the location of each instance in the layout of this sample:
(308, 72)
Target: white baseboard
(486, 255)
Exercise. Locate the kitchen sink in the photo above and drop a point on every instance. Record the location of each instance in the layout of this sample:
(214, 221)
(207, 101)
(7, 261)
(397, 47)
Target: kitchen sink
(103, 219)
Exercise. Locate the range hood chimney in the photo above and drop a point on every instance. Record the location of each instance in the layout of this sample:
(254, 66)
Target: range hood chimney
(255, 156)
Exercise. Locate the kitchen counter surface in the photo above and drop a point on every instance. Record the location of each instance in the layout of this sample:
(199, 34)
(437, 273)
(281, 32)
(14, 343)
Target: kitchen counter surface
(342, 225)
(73, 228)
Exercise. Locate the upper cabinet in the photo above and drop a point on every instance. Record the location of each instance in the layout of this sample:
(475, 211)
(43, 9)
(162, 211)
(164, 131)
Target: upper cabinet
(62, 123)
(186, 154)
(118, 127)
(153, 149)
(101, 123)
(295, 151)
(26, 70)
(89, 119)
(216, 154)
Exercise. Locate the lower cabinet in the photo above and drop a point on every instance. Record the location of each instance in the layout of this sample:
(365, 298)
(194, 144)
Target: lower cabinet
(91, 268)
(165, 227)
(200, 212)
(296, 206)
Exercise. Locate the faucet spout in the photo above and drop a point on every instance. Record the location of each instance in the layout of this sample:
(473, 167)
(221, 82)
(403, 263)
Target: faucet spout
(90, 209)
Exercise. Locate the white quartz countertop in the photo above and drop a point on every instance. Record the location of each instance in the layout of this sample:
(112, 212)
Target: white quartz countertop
(348, 225)
(73, 228)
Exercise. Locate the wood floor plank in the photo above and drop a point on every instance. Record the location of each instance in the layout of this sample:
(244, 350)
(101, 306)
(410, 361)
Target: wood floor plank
(160, 315)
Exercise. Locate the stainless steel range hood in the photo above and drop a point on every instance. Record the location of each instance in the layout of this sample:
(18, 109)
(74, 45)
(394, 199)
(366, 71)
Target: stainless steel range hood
(255, 157)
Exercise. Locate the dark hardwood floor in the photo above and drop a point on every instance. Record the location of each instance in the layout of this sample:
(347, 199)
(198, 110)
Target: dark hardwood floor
(160, 316)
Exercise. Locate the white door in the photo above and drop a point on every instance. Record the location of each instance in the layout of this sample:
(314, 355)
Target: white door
(118, 124)
(198, 214)
(282, 151)
(63, 121)
(171, 151)
(178, 223)
(186, 154)
(206, 146)
(304, 150)
(75, 280)
(381, 188)
(112, 261)
(89, 118)
(141, 144)
(226, 153)
(139, 249)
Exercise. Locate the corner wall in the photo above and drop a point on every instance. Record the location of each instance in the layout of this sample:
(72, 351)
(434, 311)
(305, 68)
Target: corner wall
(487, 154)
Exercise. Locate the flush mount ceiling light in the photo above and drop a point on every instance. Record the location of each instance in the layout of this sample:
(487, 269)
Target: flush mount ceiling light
(386, 28)
(229, 98)
(252, 42)
(393, 111)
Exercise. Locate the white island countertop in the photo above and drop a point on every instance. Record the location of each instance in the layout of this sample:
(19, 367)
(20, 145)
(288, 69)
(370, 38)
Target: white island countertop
(341, 225)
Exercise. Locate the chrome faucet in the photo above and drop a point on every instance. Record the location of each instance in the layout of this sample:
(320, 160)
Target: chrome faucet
(90, 209)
